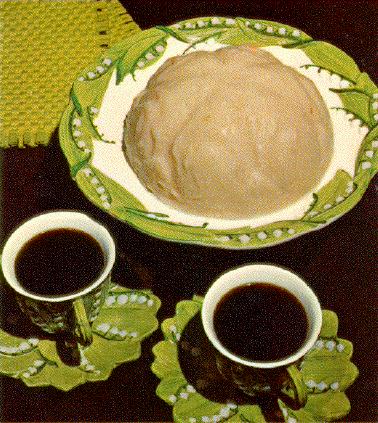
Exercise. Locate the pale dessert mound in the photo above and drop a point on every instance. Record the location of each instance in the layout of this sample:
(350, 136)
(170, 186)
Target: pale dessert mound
(228, 134)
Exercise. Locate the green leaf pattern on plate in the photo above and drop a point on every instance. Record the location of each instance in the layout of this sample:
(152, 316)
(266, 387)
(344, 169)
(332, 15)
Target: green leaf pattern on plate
(326, 369)
(127, 317)
(368, 156)
(236, 31)
(104, 192)
(332, 194)
(140, 55)
(359, 96)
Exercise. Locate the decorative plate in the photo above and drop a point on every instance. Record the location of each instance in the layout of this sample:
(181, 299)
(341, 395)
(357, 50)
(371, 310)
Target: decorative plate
(91, 131)
(127, 317)
(190, 382)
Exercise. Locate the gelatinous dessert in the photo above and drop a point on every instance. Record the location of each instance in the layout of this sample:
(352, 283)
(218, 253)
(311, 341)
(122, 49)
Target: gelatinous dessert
(231, 134)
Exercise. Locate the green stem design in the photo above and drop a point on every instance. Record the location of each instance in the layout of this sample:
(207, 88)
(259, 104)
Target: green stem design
(299, 43)
(202, 40)
(171, 32)
(352, 113)
(93, 128)
(349, 90)
(76, 102)
(320, 68)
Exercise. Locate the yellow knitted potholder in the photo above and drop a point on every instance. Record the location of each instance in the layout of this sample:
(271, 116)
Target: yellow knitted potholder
(43, 45)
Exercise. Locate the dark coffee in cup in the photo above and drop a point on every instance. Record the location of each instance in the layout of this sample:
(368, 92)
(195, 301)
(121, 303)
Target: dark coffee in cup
(59, 266)
(260, 322)
(59, 262)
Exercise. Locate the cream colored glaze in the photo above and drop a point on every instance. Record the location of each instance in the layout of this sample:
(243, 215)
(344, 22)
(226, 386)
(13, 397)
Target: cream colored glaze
(228, 134)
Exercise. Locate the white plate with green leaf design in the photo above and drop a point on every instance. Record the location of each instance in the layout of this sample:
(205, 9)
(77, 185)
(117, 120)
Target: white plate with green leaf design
(327, 372)
(91, 131)
(127, 317)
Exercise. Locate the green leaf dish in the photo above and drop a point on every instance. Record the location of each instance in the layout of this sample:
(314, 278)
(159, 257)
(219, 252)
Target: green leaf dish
(127, 317)
(91, 131)
(326, 369)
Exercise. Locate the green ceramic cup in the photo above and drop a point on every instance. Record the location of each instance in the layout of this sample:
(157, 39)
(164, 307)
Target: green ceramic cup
(71, 314)
(257, 378)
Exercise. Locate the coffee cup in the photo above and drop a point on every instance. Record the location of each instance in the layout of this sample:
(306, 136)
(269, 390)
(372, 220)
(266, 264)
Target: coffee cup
(262, 319)
(59, 265)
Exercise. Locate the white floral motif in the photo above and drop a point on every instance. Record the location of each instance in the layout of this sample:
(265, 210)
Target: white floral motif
(172, 398)
(230, 21)
(330, 345)
(340, 348)
(311, 384)
(142, 299)
(369, 153)
(319, 344)
(114, 331)
(244, 239)
(110, 300)
(334, 386)
(159, 48)
(225, 238)
(87, 171)
(24, 346)
(122, 299)
(322, 386)
(104, 327)
(344, 83)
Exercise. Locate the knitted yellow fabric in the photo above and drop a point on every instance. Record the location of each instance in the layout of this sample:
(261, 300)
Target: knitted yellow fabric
(43, 45)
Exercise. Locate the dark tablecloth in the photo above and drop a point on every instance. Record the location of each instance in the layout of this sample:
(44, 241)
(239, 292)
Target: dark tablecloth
(339, 261)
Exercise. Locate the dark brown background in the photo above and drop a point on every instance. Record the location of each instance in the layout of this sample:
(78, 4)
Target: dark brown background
(339, 261)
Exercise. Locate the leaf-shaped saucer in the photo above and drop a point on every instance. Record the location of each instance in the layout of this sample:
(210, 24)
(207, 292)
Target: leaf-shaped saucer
(127, 317)
(185, 363)
(91, 131)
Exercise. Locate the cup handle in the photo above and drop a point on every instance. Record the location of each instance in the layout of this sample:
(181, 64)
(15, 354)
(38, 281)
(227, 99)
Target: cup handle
(82, 330)
(297, 396)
